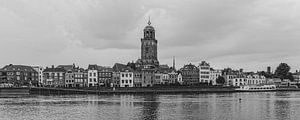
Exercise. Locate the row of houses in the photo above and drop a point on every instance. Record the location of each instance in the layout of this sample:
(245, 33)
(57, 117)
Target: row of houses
(121, 75)
(204, 74)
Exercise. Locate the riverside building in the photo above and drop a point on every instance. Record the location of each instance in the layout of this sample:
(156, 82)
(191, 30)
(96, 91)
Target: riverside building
(204, 73)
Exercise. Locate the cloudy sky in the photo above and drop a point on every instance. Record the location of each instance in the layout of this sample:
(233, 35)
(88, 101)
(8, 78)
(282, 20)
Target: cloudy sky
(249, 34)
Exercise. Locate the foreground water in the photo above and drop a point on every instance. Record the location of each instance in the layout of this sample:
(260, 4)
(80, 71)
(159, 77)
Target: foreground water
(215, 106)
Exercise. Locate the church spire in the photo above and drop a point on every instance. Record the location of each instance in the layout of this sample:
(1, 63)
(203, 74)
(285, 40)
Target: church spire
(149, 22)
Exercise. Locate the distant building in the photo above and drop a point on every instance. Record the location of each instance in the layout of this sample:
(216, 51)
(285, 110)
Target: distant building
(116, 79)
(214, 74)
(204, 72)
(148, 48)
(256, 79)
(238, 80)
(190, 74)
(80, 78)
(40, 70)
(54, 77)
(148, 77)
(19, 75)
(92, 75)
(125, 75)
(158, 78)
(148, 63)
(126, 78)
(296, 76)
(172, 77)
(69, 75)
(234, 77)
(137, 79)
(105, 76)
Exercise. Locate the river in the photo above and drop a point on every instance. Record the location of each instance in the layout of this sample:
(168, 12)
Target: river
(210, 106)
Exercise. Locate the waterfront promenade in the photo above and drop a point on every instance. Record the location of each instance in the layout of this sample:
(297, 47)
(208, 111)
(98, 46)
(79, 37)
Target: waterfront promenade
(150, 90)
(171, 90)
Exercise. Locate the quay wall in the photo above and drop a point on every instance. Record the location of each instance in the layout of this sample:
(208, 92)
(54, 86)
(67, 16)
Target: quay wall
(150, 90)
(170, 90)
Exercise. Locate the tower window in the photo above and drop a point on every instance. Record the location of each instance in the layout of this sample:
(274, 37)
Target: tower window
(146, 49)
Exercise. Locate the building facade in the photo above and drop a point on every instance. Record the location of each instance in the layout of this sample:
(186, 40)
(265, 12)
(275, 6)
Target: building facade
(149, 48)
(137, 79)
(40, 70)
(69, 78)
(92, 76)
(190, 74)
(19, 75)
(172, 77)
(204, 72)
(256, 79)
(80, 78)
(105, 76)
(126, 78)
(116, 79)
(54, 77)
(214, 74)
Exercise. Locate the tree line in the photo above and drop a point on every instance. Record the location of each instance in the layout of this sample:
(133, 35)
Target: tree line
(282, 72)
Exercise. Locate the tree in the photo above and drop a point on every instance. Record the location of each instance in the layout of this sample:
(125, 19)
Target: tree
(290, 76)
(266, 74)
(282, 71)
(220, 80)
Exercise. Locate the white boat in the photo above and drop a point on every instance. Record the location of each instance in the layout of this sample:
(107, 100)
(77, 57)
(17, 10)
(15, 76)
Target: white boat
(256, 88)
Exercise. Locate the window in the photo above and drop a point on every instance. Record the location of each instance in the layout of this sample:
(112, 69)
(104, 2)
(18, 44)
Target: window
(95, 80)
(122, 75)
(126, 81)
(130, 75)
(94, 74)
(126, 75)
(90, 74)
(129, 81)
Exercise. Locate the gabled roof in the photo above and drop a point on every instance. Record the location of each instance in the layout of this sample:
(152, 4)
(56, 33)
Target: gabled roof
(105, 69)
(164, 69)
(93, 67)
(12, 67)
(99, 68)
(189, 67)
(118, 67)
(67, 67)
(54, 70)
(203, 63)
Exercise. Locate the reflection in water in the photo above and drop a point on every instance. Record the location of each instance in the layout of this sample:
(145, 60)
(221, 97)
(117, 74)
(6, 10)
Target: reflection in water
(150, 107)
(282, 106)
(252, 106)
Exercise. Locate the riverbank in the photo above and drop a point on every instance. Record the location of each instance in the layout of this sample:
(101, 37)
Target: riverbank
(170, 90)
(14, 92)
(150, 90)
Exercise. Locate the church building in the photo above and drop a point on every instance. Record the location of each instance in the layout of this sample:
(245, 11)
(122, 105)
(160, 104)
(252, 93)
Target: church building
(148, 63)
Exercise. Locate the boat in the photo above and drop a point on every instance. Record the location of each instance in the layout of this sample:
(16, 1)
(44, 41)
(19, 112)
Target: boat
(256, 88)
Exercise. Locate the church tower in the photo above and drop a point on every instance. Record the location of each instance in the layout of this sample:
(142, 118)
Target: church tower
(149, 48)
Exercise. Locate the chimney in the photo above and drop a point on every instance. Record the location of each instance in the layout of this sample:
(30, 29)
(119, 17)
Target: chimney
(52, 66)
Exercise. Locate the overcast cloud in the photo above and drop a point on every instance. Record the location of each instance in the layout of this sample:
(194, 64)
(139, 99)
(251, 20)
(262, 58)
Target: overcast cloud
(249, 34)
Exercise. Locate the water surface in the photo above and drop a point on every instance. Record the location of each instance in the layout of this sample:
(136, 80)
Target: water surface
(212, 106)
